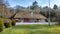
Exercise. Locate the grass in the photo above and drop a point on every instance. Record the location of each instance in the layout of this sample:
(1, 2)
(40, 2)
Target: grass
(32, 29)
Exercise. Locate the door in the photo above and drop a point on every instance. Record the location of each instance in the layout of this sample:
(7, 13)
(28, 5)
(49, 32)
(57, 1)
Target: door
(26, 20)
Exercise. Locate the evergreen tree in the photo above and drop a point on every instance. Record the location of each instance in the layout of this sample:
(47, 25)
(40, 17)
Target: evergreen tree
(34, 5)
(55, 7)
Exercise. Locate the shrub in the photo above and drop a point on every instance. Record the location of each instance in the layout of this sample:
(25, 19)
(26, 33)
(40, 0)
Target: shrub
(8, 23)
(13, 22)
(1, 25)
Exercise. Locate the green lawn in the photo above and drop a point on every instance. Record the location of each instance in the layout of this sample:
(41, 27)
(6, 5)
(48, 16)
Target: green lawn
(32, 29)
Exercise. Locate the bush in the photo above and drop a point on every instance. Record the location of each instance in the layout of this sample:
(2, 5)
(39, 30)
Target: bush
(1, 25)
(8, 24)
(13, 22)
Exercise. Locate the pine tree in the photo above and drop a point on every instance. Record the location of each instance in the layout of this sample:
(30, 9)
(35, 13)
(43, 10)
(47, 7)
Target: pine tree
(55, 7)
(34, 5)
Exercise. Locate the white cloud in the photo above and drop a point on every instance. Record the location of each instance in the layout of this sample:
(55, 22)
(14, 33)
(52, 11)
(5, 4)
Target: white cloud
(52, 2)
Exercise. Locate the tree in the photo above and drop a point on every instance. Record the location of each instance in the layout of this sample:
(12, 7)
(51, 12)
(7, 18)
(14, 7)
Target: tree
(45, 12)
(58, 16)
(1, 1)
(46, 7)
(6, 3)
(34, 5)
(41, 12)
(55, 7)
(52, 13)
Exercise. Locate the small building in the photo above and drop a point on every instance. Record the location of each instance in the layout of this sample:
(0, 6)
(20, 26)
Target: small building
(27, 17)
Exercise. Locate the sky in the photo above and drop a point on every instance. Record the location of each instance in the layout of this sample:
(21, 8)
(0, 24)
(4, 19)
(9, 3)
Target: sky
(26, 3)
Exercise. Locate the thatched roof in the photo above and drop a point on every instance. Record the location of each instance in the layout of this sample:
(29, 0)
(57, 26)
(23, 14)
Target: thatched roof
(23, 13)
(28, 15)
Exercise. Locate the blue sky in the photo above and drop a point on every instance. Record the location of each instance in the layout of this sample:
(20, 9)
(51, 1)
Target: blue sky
(26, 3)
